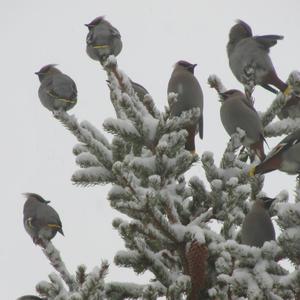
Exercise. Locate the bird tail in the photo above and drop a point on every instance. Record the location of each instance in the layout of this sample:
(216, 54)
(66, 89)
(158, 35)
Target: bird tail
(258, 148)
(190, 141)
(266, 166)
(277, 82)
(57, 227)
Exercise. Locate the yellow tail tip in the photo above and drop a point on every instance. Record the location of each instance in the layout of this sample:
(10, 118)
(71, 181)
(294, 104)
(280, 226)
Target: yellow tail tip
(252, 172)
(54, 226)
(287, 91)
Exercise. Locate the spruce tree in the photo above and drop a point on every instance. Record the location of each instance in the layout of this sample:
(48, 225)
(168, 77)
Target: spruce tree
(170, 232)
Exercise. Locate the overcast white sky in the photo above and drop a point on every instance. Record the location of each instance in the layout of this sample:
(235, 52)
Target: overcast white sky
(36, 150)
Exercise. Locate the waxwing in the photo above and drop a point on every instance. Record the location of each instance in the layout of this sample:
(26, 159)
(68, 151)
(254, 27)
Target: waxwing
(257, 227)
(102, 39)
(41, 221)
(238, 112)
(189, 95)
(284, 157)
(247, 51)
(57, 90)
(139, 89)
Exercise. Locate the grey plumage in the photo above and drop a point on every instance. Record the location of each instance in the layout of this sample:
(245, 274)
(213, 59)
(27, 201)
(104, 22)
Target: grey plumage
(102, 39)
(284, 157)
(31, 297)
(247, 51)
(257, 227)
(139, 89)
(57, 90)
(189, 95)
(237, 112)
(40, 220)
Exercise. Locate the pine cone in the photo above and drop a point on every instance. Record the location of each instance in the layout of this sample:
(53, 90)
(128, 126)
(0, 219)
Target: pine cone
(197, 256)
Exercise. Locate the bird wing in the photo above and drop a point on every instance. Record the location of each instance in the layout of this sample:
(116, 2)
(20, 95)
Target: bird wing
(267, 41)
(47, 216)
(115, 32)
(286, 143)
(63, 87)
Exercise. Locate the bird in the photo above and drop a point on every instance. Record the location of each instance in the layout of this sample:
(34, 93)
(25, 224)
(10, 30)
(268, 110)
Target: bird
(257, 226)
(238, 112)
(40, 220)
(246, 52)
(139, 90)
(189, 96)
(102, 39)
(284, 157)
(57, 90)
(30, 297)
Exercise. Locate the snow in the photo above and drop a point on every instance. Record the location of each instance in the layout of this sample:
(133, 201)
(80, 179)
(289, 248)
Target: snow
(146, 163)
(233, 181)
(288, 213)
(270, 250)
(294, 81)
(282, 127)
(98, 135)
(243, 190)
(217, 184)
(196, 233)
(122, 127)
(92, 175)
(87, 159)
(150, 126)
(215, 82)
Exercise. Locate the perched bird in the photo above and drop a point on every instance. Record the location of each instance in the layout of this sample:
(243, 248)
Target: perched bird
(284, 157)
(189, 95)
(102, 39)
(30, 297)
(246, 52)
(257, 227)
(139, 89)
(40, 220)
(57, 90)
(238, 112)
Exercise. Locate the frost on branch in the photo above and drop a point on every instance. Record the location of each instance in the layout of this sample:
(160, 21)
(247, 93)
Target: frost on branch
(171, 230)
